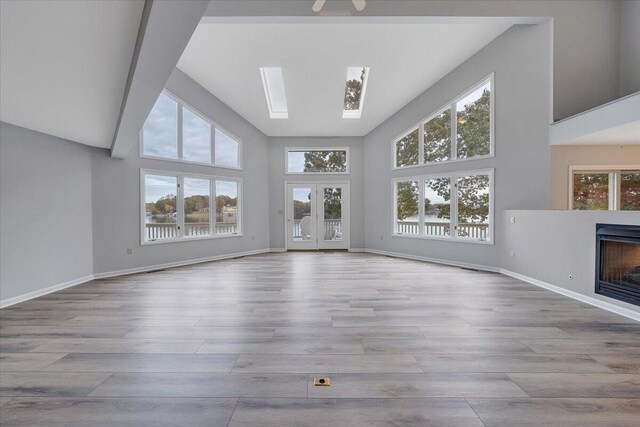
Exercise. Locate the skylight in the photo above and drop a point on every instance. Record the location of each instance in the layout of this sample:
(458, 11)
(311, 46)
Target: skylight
(273, 84)
(354, 92)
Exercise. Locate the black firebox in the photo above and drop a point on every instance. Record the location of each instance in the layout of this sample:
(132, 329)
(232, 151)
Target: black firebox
(618, 262)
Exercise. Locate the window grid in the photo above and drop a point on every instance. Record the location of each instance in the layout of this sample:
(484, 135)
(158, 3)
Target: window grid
(180, 138)
(451, 106)
(180, 235)
(614, 182)
(453, 212)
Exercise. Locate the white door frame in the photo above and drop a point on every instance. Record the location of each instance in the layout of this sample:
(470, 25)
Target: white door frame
(317, 208)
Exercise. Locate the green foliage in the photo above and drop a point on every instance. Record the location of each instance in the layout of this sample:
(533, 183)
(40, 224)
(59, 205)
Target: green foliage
(474, 127)
(473, 199)
(591, 191)
(325, 161)
(630, 191)
(301, 209)
(407, 199)
(407, 149)
(195, 203)
(353, 93)
(332, 203)
(442, 186)
(437, 138)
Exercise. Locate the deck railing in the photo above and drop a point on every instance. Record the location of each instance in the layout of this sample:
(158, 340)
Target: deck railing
(170, 230)
(332, 229)
(473, 231)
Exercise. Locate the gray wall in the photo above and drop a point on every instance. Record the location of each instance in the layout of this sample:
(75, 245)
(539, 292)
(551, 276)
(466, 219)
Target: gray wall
(116, 194)
(45, 211)
(630, 47)
(277, 179)
(552, 245)
(520, 60)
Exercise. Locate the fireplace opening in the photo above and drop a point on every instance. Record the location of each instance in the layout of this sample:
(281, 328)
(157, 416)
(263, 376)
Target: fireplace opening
(618, 262)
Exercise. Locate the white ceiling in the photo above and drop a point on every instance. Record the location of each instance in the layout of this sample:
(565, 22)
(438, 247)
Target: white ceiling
(64, 65)
(404, 60)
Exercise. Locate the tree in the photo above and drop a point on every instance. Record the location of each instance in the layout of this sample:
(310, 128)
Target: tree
(325, 161)
(630, 191)
(473, 199)
(332, 203)
(591, 191)
(437, 138)
(474, 127)
(353, 92)
(407, 199)
(407, 149)
(166, 204)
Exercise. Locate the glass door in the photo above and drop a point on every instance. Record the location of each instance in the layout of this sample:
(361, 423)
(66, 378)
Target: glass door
(317, 216)
(301, 216)
(333, 226)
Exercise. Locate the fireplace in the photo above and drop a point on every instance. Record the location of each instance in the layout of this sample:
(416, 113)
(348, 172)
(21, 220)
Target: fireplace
(618, 262)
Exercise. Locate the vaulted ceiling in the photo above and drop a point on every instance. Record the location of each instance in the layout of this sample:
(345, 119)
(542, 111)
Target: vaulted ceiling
(404, 60)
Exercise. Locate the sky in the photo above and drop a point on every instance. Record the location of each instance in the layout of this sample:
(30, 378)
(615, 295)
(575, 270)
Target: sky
(161, 140)
(296, 161)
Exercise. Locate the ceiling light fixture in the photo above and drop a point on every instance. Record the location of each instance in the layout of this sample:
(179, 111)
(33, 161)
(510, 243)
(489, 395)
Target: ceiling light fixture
(273, 84)
(358, 4)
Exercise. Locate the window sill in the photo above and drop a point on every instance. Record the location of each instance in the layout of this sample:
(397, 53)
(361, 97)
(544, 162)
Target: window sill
(189, 239)
(445, 239)
(466, 159)
(144, 156)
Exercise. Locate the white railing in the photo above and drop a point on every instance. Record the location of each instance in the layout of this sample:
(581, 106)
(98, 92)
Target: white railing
(332, 229)
(474, 231)
(170, 230)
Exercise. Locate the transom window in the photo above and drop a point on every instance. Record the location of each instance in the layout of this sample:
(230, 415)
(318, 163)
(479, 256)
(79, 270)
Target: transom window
(175, 131)
(177, 207)
(455, 206)
(317, 160)
(463, 129)
(604, 189)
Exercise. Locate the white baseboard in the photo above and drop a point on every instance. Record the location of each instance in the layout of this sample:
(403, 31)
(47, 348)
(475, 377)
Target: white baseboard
(277, 250)
(434, 260)
(35, 294)
(25, 297)
(575, 295)
(176, 264)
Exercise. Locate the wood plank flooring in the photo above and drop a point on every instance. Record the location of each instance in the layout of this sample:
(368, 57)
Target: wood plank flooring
(238, 343)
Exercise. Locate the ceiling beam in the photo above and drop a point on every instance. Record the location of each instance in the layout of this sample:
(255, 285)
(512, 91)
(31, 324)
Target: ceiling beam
(165, 30)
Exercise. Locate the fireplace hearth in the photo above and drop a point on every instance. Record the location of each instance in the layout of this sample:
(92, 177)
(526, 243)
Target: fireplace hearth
(618, 262)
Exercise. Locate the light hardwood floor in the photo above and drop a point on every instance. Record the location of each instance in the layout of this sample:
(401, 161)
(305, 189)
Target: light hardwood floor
(239, 342)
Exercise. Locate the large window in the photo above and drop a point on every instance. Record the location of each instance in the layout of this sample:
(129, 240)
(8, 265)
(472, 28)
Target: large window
(594, 189)
(175, 131)
(317, 160)
(463, 129)
(177, 207)
(456, 206)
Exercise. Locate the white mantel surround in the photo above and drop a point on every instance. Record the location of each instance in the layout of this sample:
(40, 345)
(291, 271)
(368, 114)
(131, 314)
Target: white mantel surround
(556, 250)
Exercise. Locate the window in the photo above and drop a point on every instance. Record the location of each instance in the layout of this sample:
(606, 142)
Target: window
(354, 92)
(407, 210)
(175, 131)
(176, 206)
(593, 189)
(317, 160)
(461, 130)
(160, 130)
(226, 206)
(456, 206)
(273, 85)
(407, 150)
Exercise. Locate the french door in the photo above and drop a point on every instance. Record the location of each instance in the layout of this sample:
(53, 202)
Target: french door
(317, 216)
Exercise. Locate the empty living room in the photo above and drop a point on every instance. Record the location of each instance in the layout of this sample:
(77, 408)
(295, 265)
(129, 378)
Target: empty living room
(320, 213)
